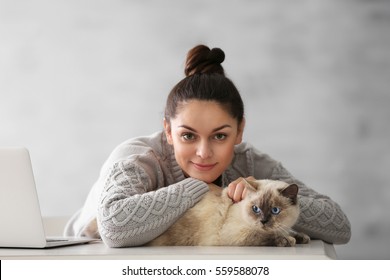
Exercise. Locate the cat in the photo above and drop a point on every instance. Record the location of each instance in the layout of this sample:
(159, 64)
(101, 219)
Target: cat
(263, 218)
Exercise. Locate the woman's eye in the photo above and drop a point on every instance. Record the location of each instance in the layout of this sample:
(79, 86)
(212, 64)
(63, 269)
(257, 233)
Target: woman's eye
(220, 136)
(256, 209)
(188, 136)
(275, 210)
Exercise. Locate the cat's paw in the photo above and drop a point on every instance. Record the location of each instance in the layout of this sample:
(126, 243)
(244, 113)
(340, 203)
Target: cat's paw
(300, 237)
(285, 241)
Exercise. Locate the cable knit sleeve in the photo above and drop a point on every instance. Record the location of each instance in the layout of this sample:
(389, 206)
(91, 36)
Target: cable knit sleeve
(320, 217)
(131, 214)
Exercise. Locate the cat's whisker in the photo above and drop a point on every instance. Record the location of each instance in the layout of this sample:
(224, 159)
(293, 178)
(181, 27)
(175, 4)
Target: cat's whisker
(283, 229)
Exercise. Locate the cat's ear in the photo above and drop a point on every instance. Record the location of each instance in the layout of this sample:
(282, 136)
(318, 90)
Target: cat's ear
(251, 186)
(290, 192)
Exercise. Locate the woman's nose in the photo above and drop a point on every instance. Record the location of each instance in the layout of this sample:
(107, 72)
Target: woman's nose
(204, 150)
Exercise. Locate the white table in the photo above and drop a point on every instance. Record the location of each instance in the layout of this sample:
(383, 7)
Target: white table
(316, 249)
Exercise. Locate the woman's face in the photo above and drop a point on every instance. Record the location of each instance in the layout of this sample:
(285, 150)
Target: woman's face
(203, 136)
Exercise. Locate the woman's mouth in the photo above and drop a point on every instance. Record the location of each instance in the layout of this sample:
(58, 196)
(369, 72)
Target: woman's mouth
(204, 167)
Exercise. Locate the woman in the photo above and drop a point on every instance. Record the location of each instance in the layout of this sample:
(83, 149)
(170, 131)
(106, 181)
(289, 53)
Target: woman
(147, 183)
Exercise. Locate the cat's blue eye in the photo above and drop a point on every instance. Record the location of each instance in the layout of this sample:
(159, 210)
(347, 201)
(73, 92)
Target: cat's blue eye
(256, 209)
(275, 210)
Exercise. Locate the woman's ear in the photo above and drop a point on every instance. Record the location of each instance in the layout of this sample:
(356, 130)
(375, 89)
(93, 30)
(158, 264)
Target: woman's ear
(240, 131)
(168, 131)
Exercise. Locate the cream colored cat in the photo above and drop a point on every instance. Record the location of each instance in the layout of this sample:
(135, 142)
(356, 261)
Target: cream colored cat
(263, 218)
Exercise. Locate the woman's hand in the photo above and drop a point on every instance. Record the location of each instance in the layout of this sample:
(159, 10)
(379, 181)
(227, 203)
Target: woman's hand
(237, 189)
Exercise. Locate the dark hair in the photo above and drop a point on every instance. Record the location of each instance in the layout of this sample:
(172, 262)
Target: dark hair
(205, 80)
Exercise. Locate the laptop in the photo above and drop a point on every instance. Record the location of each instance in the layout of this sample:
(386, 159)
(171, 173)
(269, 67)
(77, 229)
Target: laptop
(21, 223)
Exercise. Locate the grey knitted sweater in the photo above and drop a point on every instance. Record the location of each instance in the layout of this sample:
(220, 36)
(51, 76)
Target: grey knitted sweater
(142, 191)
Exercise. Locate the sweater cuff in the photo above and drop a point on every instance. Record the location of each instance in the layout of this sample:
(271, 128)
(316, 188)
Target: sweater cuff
(195, 189)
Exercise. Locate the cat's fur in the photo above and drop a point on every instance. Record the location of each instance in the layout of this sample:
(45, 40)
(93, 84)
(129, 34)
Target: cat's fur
(216, 220)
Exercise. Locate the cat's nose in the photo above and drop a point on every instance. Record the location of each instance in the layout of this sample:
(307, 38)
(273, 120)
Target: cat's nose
(264, 220)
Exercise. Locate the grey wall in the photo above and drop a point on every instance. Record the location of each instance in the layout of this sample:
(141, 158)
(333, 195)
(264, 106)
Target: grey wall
(79, 77)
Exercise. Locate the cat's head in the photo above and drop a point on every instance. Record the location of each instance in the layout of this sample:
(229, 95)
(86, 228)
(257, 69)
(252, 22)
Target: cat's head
(270, 204)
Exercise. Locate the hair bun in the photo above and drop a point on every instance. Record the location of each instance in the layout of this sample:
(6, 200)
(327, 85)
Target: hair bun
(202, 60)
(217, 55)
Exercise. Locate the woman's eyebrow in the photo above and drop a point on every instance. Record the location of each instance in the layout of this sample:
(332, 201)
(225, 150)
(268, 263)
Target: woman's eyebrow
(187, 127)
(214, 130)
(222, 127)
